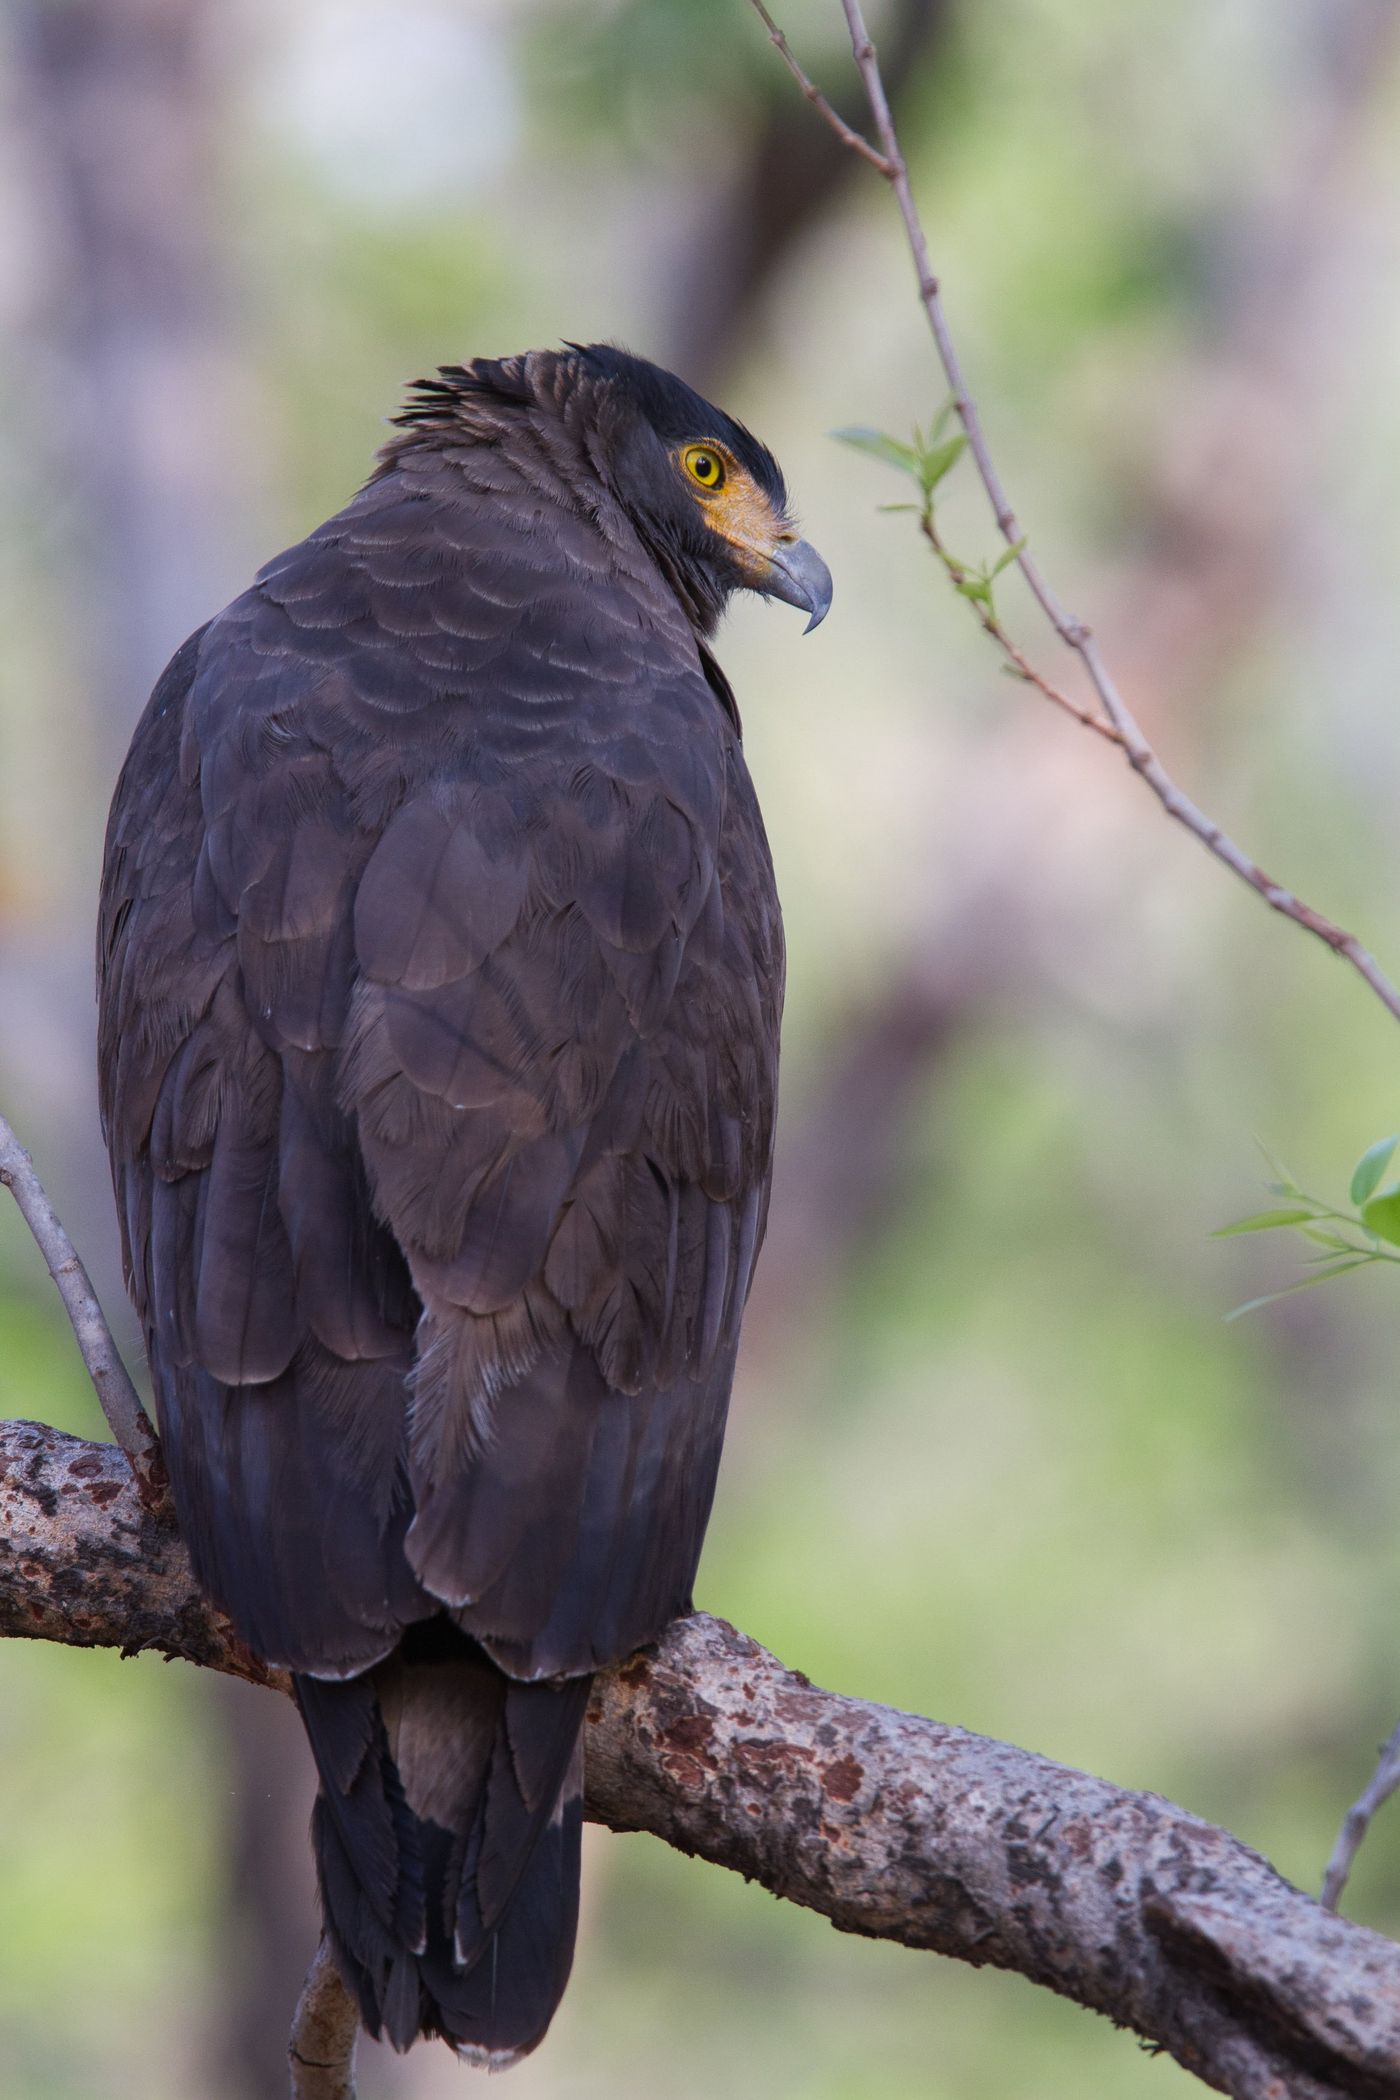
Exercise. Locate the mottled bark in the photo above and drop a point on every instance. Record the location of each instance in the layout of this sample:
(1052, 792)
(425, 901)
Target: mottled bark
(901, 1828)
(891, 1826)
(82, 1561)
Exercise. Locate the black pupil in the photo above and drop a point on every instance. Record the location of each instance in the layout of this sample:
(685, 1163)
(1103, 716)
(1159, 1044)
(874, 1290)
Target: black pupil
(704, 466)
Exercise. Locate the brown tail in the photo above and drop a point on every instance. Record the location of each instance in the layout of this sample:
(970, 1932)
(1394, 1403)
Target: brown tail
(447, 1842)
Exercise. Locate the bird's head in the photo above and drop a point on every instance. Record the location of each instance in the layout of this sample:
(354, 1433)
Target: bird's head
(704, 495)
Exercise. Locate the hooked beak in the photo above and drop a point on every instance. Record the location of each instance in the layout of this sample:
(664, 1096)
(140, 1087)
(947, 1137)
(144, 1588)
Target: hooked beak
(798, 575)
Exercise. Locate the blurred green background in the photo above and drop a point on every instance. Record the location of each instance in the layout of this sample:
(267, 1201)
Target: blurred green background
(996, 1456)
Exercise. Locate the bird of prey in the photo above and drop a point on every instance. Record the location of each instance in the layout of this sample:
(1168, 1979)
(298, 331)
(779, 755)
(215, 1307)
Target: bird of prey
(440, 971)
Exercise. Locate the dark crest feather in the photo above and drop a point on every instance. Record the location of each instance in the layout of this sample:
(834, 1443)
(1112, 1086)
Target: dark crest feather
(674, 410)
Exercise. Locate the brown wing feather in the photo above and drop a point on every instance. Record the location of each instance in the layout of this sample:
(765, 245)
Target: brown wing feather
(278, 1310)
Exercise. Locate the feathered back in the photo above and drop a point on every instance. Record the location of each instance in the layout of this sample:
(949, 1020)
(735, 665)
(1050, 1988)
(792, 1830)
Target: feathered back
(440, 971)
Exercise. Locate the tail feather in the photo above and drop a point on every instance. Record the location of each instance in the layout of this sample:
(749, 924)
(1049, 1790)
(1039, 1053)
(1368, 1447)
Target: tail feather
(447, 1837)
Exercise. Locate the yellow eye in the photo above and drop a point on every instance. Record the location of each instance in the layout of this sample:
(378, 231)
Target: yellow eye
(703, 465)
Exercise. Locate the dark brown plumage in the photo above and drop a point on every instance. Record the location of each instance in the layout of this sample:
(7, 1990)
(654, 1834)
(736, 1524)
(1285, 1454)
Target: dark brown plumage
(440, 971)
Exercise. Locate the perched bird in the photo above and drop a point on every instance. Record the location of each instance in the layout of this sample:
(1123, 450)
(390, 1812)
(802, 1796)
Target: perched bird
(440, 971)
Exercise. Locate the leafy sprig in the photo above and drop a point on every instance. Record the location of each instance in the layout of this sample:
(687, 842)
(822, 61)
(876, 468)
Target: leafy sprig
(1340, 1240)
(928, 460)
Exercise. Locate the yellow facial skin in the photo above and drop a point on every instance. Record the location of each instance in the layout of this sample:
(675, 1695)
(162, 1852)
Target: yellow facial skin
(735, 507)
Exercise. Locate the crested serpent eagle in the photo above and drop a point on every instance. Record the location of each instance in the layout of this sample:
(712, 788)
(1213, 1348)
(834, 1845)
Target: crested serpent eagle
(440, 969)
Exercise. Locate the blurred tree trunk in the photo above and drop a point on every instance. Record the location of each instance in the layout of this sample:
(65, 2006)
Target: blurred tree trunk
(140, 430)
(122, 100)
(126, 371)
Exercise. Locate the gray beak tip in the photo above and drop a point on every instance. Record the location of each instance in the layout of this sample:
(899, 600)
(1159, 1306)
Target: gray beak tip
(800, 577)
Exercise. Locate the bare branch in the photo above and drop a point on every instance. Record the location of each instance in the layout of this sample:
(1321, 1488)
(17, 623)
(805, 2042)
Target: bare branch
(325, 2029)
(843, 130)
(1383, 1783)
(1072, 631)
(755, 208)
(891, 1826)
(116, 1394)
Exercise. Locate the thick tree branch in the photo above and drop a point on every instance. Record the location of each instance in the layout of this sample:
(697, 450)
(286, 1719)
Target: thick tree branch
(84, 1561)
(889, 162)
(117, 1396)
(889, 1825)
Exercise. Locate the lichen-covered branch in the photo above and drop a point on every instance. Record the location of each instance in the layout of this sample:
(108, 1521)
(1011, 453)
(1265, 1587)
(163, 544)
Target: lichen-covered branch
(904, 1829)
(84, 1561)
(889, 1825)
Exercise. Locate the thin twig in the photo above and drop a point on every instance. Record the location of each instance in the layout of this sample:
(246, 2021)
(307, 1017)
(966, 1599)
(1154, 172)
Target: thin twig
(1072, 631)
(116, 1394)
(1383, 1783)
(325, 2029)
(843, 130)
(1019, 661)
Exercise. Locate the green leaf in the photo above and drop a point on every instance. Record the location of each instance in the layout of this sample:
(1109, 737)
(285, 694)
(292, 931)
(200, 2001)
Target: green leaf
(881, 446)
(977, 588)
(939, 460)
(1283, 1183)
(1332, 1240)
(1382, 1214)
(886, 508)
(1263, 1221)
(1369, 1169)
(1013, 553)
(1340, 1268)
